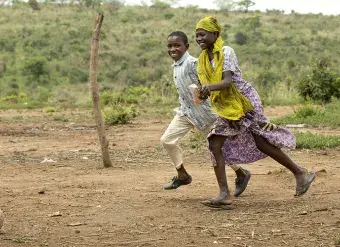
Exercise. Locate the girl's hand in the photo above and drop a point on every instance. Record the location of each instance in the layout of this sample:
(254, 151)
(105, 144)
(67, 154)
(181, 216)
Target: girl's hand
(204, 92)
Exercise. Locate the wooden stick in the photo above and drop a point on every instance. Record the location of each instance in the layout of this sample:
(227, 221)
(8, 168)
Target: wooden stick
(94, 89)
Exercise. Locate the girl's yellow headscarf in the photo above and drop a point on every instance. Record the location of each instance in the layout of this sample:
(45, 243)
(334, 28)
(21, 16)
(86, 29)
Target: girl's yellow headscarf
(229, 103)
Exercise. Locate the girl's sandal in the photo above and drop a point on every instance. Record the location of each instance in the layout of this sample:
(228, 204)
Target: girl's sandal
(222, 204)
(309, 178)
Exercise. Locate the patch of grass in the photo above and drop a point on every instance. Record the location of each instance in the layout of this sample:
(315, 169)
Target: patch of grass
(61, 118)
(309, 140)
(314, 116)
(49, 109)
(20, 240)
(16, 119)
(26, 105)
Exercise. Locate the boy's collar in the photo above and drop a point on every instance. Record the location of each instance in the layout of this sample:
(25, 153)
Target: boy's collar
(181, 60)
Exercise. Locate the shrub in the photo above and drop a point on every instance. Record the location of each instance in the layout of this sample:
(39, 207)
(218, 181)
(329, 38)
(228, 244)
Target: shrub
(36, 67)
(321, 84)
(307, 111)
(240, 38)
(118, 114)
(168, 15)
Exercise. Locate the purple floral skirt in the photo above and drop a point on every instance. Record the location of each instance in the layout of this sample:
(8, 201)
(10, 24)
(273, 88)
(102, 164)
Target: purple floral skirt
(240, 146)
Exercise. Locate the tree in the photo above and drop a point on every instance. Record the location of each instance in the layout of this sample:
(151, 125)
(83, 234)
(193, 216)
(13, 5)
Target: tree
(95, 92)
(226, 5)
(245, 4)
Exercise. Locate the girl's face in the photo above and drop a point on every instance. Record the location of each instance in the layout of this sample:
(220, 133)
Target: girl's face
(206, 39)
(176, 47)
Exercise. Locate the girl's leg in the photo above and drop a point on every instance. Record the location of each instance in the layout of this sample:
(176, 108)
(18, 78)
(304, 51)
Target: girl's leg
(277, 154)
(215, 146)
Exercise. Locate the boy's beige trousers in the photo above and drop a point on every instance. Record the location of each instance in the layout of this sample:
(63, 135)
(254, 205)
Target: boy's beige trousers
(177, 129)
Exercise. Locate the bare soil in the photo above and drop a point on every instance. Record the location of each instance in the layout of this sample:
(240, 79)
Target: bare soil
(54, 190)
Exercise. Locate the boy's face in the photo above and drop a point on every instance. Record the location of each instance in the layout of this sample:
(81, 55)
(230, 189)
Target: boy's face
(176, 47)
(205, 39)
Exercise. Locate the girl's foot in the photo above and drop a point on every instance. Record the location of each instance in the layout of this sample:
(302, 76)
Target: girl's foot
(223, 201)
(303, 181)
(241, 182)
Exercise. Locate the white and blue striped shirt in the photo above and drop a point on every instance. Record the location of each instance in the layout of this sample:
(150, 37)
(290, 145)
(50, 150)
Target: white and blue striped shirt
(185, 74)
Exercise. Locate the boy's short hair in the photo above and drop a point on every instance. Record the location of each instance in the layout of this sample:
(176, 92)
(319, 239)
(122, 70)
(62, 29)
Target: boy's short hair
(180, 34)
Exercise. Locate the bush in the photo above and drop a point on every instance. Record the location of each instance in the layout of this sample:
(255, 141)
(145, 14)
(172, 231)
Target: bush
(240, 38)
(307, 111)
(36, 67)
(321, 85)
(118, 114)
(168, 15)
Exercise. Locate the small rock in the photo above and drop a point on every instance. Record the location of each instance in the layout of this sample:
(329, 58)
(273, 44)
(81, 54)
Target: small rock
(77, 231)
(55, 214)
(303, 213)
(75, 224)
(48, 160)
(276, 231)
(41, 192)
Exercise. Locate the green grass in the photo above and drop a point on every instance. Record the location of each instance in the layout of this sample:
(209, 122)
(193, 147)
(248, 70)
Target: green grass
(328, 116)
(308, 141)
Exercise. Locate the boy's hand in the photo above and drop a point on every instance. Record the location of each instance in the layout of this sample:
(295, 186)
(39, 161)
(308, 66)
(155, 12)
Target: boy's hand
(204, 92)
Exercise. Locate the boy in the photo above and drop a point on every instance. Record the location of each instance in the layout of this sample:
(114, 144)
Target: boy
(189, 115)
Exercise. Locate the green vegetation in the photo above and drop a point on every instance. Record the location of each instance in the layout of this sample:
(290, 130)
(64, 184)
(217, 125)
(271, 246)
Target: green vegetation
(309, 141)
(313, 116)
(45, 53)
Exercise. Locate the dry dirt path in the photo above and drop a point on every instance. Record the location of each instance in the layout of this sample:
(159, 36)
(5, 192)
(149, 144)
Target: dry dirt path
(54, 191)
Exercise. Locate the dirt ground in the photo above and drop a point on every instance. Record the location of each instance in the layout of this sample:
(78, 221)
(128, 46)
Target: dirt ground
(54, 191)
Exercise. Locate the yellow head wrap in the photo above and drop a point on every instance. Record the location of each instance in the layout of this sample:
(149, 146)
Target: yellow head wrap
(229, 103)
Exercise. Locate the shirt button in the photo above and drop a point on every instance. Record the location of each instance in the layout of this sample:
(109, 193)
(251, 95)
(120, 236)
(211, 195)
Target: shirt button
(175, 76)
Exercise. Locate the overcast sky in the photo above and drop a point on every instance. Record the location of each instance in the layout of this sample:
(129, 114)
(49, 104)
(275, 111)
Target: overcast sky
(327, 7)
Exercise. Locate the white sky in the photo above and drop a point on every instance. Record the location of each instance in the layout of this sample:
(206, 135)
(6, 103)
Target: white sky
(327, 7)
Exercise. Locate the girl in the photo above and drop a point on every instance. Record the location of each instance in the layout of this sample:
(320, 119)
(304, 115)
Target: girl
(189, 115)
(242, 133)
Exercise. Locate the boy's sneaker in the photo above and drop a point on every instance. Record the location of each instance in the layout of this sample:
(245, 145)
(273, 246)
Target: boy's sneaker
(175, 183)
(241, 183)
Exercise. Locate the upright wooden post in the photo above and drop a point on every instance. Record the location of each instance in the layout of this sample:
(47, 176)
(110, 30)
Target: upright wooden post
(94, 89)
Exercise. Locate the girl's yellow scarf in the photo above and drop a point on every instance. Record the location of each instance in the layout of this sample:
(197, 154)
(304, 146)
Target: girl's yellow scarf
(229, 103)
